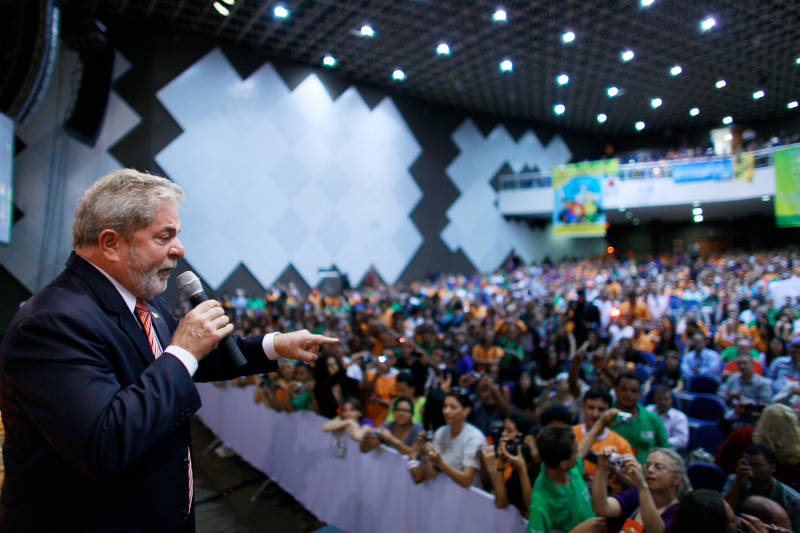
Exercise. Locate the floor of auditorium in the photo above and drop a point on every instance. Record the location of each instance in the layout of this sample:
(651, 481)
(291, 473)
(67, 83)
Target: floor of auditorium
(224, 487)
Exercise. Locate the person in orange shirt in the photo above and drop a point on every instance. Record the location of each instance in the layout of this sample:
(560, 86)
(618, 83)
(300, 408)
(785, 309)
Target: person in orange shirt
(597, 416)
(379, 388)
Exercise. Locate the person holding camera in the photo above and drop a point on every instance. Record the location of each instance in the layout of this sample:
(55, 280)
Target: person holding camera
(401, 433)
(454, 446)
(378, 387)
(755, 475)
(512, 464)
(651, 503)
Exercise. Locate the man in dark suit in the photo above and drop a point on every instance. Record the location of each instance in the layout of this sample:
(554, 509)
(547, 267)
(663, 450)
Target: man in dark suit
(96, 377)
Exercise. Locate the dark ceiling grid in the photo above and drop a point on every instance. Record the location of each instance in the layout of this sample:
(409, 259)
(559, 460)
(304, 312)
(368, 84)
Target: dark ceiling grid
(753, 47)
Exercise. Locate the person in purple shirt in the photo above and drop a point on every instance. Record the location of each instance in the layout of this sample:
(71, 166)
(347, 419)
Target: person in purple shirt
(701, 361)
(650, 505)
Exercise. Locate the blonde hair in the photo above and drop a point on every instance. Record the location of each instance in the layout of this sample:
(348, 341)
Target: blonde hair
(124, 201)
(779, 430)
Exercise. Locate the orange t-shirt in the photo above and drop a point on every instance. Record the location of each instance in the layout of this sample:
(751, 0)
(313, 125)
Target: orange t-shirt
(385, 388)
(607, 438)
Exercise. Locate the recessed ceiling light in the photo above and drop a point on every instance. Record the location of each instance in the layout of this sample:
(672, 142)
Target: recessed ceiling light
(559, 109)
(612, 92)
(367, 31)
(506, 66)
(280, 12)
(656, 102)
(500, 15)
(727, 120)
(626, 55)
(647, 3)
(567, 37)
(675, 70)
(329, 61)
(601, 118)
(222, 10)
(693, 112)
(797, 60)
(398, 75)
(640, 125)
(792, 104)
(562, 79)
(443, 49)
(707, 23)
(758, 94)
(720, 84)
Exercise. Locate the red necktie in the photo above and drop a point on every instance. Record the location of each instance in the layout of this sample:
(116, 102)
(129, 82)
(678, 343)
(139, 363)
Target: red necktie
(143, 314)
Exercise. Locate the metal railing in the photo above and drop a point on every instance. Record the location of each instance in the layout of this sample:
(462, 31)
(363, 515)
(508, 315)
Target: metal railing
(635, 170)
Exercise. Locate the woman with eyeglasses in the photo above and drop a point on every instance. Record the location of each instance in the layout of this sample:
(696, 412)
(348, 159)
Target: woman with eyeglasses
(455, 445)
(401, 433)
(651, 504)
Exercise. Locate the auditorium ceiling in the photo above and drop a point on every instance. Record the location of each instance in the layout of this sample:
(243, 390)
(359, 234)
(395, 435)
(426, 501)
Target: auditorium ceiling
(753, 45)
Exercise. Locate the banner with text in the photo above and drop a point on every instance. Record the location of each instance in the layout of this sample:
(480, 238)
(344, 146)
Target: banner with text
(720, 170)
(578, 209)
(744, 166)
(787, 187)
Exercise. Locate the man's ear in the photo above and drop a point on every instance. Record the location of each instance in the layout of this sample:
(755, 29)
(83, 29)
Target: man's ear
(109, 242)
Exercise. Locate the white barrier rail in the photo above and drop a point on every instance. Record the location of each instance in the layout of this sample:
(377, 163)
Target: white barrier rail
(359, 492)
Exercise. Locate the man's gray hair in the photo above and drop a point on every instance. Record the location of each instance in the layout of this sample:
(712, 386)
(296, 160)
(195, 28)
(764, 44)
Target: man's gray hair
(124, 201)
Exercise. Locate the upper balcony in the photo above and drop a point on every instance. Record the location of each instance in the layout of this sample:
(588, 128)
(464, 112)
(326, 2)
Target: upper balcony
(649, 188)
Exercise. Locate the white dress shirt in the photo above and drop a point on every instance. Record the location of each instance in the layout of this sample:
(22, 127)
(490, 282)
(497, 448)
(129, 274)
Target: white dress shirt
(677, 426)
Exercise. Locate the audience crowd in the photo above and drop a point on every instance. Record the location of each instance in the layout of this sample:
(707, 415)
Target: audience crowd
(624, 393)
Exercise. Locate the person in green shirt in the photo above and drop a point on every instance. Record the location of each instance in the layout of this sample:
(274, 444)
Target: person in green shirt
(560, 500)
(643, 429)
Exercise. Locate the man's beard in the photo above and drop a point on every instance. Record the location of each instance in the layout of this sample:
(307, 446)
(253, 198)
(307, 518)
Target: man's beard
(145, 277)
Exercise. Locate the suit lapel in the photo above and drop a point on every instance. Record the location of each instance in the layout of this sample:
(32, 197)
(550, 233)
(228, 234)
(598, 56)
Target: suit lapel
(109, 299)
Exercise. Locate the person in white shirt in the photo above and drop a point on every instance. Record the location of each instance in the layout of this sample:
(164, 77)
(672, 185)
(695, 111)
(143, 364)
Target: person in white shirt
(676, 423)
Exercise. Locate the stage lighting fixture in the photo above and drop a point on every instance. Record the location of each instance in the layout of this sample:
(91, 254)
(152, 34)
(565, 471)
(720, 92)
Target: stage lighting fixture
(707, 23)
(398, 75)
(601, 118)
(280, 12)
(647, 3)
(656, 102)
(765, 198)
(329, 61)
(720, 84)
(567, 37)
(640, 126)
(612, 92)
(792, 104)
(367, 31)
(443, 49)
(698, 218)
(697, 211)
(675, 70)
(222, 10)
(693, 112)
(506, 66)
(559, 109)
(562, 79)
(727, 120)
(500, 15)
(758, 94)
(626, 55)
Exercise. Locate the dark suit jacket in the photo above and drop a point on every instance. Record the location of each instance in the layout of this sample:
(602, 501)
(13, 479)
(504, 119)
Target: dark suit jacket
(97, 430)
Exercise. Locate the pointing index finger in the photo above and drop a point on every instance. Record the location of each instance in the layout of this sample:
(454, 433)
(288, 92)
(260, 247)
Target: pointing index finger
(322, 339)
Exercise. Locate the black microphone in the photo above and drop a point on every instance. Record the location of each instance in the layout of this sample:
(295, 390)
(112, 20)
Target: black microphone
(190, 286)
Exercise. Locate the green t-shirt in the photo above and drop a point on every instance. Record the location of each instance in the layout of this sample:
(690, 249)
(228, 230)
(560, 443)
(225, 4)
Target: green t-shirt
(302, 402)
(644, 432)
(416, 416)
(730, 353)
(559, 508)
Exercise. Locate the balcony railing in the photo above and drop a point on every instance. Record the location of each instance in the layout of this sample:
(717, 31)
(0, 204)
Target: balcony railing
(634, 171)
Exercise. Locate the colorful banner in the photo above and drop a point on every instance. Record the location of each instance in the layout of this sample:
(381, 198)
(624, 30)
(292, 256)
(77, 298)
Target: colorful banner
(578, 209)
(6, 166)
(744, 164)
(707, 170)
(787, 187)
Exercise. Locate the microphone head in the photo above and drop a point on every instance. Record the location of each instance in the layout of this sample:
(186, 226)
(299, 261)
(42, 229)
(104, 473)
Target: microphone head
(189, 284)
